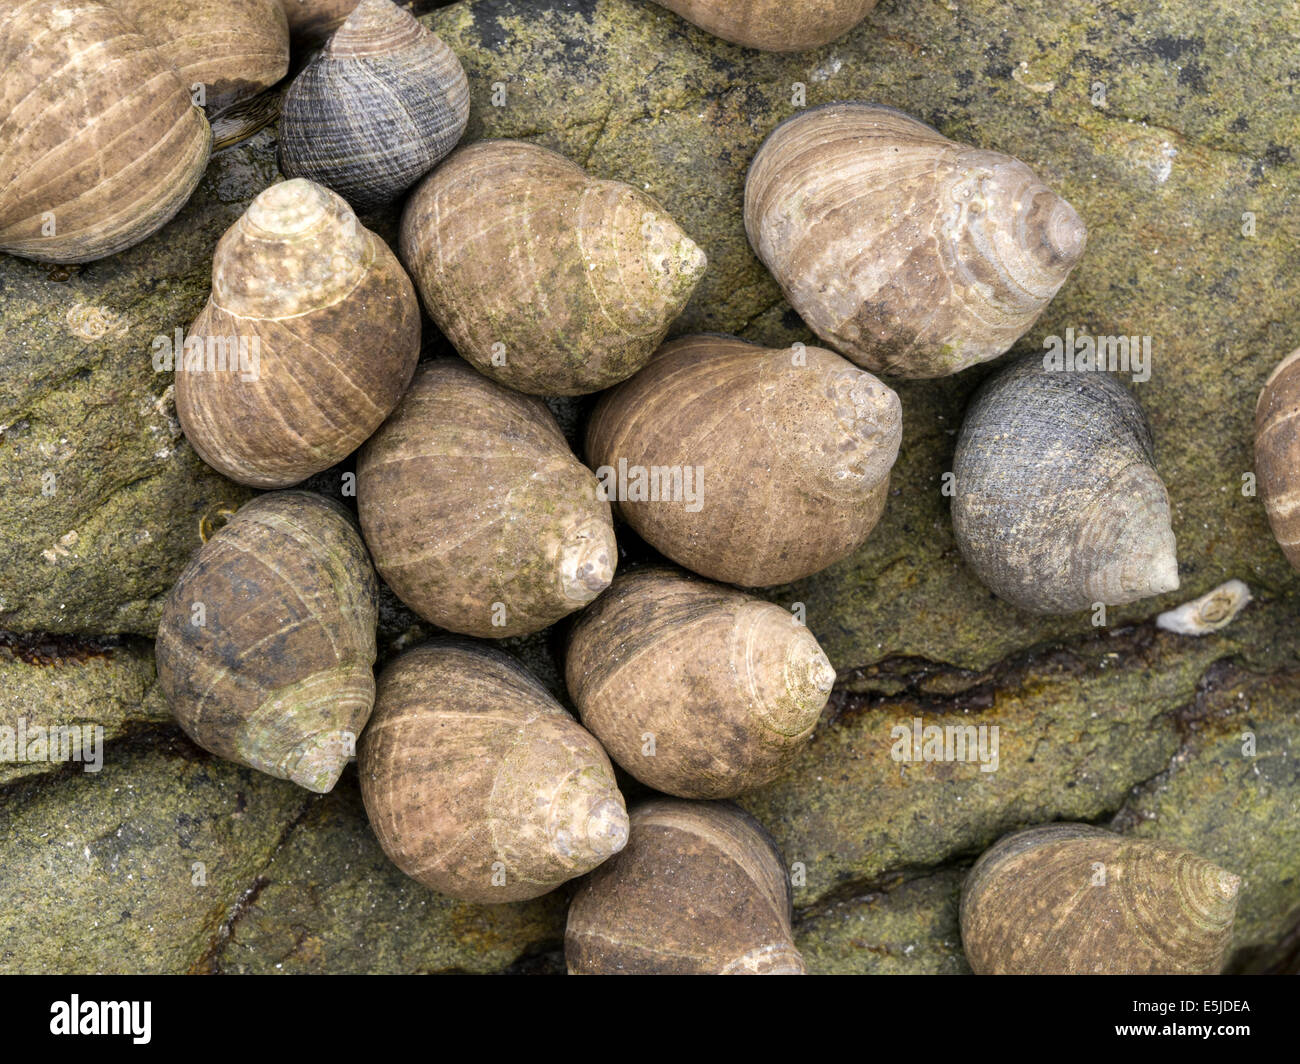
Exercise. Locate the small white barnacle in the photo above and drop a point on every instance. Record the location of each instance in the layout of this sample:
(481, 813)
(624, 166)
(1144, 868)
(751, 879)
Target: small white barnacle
(1212, 611)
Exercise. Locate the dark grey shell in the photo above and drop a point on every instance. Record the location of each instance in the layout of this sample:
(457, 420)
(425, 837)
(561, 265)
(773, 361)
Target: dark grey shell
(376, 110)
(1057, 503)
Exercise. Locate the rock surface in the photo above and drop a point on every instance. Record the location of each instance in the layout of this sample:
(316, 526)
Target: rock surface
(1170, 128)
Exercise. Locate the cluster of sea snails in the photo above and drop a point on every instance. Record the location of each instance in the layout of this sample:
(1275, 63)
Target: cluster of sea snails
(906, 253)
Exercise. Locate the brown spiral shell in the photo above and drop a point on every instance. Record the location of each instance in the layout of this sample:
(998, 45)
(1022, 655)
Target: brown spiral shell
(267, 641)
(773, 25)
(478, 784)
(700, 890)
(727, 687)
(790, 450)
(1277, 453)
(1069, 899)
(308, 340)
(544, 278)
(478, 514)
(907, 252)
(100, 142)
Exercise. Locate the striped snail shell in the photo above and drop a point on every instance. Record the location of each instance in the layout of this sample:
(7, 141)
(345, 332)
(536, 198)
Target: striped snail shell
(100, 142)
(1277, 453)
(773, 25)
(478, 783)
(1057, 503)
(377, 109)
(700, 890)
(267, 640)
(1070, 899)
(320, 329)
(907, 252)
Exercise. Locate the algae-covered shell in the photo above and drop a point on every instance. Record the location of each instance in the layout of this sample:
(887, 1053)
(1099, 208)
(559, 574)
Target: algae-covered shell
(546, 279)
(700, 890)
(1073, 899)
(1057, 504)
(100, 142)
(1277, 453)
(696, 689)
(267, 641)
(748, 465)
(477, 513)
(773, 25)
(478, 783)
(376, 110)
(319, 332)
(908, 253)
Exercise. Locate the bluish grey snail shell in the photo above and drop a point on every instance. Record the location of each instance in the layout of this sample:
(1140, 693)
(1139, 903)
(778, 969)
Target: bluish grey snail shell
(1057, 502)
(376, 110)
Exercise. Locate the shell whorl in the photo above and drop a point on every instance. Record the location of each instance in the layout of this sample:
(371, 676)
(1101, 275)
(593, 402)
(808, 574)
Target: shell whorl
(773, 25)
(1074, 899)
(1058, 505)
(377, 109)
(1277, 453)
(907, 252)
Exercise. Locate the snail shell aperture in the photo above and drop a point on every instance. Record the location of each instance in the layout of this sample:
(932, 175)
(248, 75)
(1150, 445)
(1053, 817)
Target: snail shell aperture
(478, 783)
(546, 279)
(773, 25)
(478, 514)
(267, 641)
(1069, 899)
(319, 327)
(788, 450)
(907, 252)
(100, 142)
(700, 890)
(377, 109)
(1277, 453)
(729, 687)
(1057, 503)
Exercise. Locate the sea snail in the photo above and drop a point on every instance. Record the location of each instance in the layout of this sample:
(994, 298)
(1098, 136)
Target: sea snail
(1069, 899)
(478, 784)
(747, 465)
(309, 338)
(700, 890)
(477, 513)
(267, 641)
(1277, 454)
(546, 279)
(100, 141)
(377, 108)
(908, 253)
(773, 25)
(696, 689)
(1057, 504)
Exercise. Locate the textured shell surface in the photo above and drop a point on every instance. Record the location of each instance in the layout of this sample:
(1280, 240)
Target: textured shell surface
(773, 25)
(701, 889)
(309, 338)
(728, 686)
(478, 783)
(233, 48)
(1070, 899)
(546, 279)
(267, 642)
(907, 252)
(479, 516)
(382, 103)
(100, 142)
(1277, 454)
(770, 464)
(314, 20)
(1057, 504)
